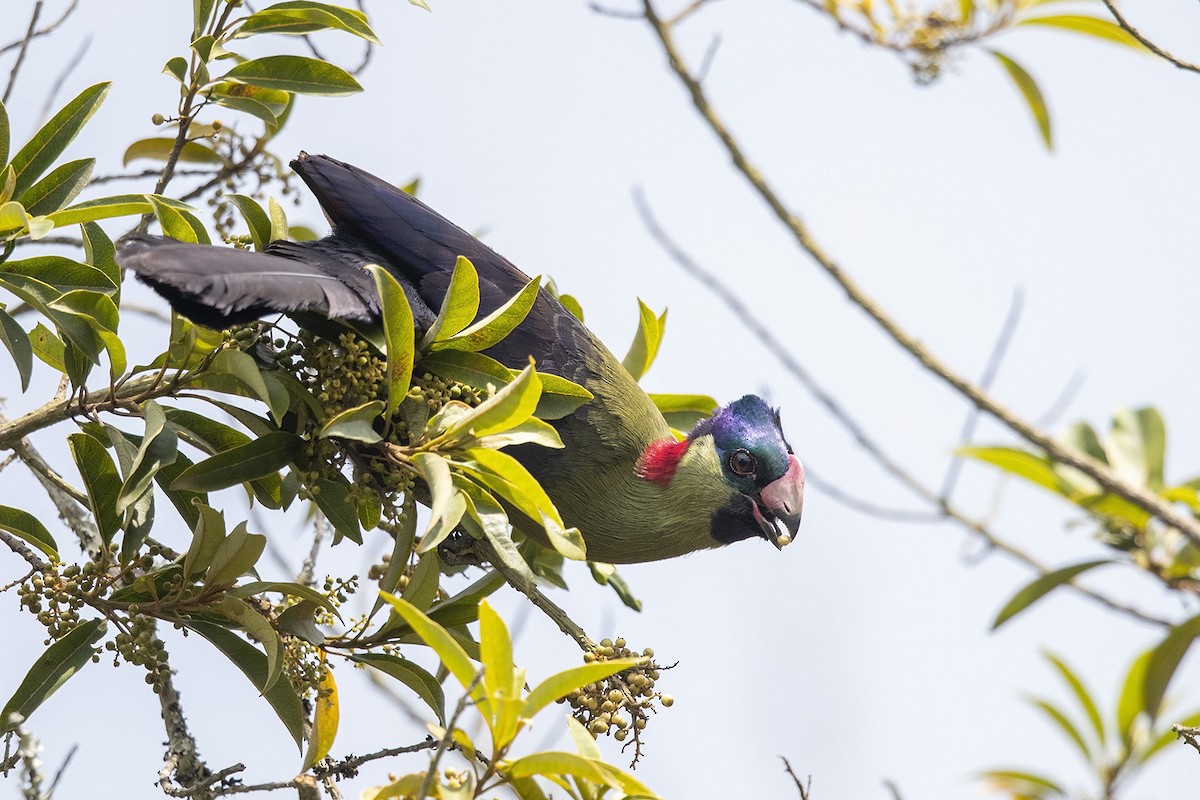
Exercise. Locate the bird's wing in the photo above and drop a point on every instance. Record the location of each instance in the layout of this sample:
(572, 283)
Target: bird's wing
(222, 286)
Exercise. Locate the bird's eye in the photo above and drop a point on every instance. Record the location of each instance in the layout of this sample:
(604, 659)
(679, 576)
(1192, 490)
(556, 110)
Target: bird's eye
(742, 463)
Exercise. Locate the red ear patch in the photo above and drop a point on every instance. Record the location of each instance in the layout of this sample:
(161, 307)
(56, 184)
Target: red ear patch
(659, 460)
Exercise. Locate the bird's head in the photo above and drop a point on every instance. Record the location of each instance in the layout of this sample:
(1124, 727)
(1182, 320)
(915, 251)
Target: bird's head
(743, 446)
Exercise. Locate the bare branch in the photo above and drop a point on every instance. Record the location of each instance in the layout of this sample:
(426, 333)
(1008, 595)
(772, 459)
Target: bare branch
(941, 505)
(1102, 474)
(445, 740)
(1149, 45)
(53, 26)
(24, 44)
(805, 787)
(23, 550)
(1189, 735)
(999, 348)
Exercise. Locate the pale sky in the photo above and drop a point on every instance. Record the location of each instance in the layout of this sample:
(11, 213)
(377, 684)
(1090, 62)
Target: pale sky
(861, 652)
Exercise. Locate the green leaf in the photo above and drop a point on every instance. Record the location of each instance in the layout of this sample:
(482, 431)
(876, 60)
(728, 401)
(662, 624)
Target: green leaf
(5, 135)
(558, 763)
(253, 664)
(306, 17)
(682, 411)
(495, 326)
(25, 526)
(52, 669)
(160, 149)
(495, 647)
(59, 187)
(1031, 93)
(1136, 447)
(1081, 694)
(201, 14)
(101, 254)
(446, 506)
(508, 407)
(101, 208)
(562, 683)
(464, 366)
(422, 588)
(176, 224)
(100, 479)
(399, 331)
(257, 458)
(325, 720)
(247, 381)
(1034, 468)
(645, 342)
(1164, 661)
(48, 143)
(207, 535)
(269, 105)
(521, 489)
(459, 306)
(235, 556)
(1039, 587)
(159, 447)
(357, 424)
(290, 589)
(295, 74)
(48, 347)
(177, 67)
(256, 218)
(1064, 723)
(256, 625)
(451, 653)
(572, 306)
(333, 498)
(1025, 785)
(411, 675)
(559, 397)
(279, 223)
(63, 274)
(1132, 701)
(487, 519)
(19, 346)
(139, 517)
(1087, 25)
(405, 533)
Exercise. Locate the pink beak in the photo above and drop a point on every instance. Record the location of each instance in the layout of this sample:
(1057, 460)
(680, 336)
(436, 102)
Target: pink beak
(784, 499)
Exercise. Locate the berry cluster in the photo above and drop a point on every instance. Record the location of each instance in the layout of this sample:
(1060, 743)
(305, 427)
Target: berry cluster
(619, 704)
(140, 646)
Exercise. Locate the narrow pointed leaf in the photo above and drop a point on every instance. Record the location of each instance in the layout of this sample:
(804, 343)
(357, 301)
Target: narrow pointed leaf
(1031, 93)
(256, 218)
(52, 669)
(1164, 661)
(32, 160)
(1087, 25)
(27, 527)
(465, 366)
(495, 326)
(1030, 466)
(255, 624)
(645, 342)
(235, 556)
(253, 664)
(255, 459)
(1132, 701)
(160, 148)
(399, 332)
(1040, 586)
(562, 683)
(508, 407)
(59, 187)
(101, 480)
(357, 424)
(1064, 723)
(1081, 694)
(559, 763)
(451, 653)
(459, 306)
(19, 346)
(295, 74)
(325, 720)
(411, 675)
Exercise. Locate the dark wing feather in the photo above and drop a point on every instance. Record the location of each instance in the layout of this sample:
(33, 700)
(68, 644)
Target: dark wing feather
(221, 286)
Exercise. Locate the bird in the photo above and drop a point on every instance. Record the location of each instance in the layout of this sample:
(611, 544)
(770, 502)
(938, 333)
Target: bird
(635, 492)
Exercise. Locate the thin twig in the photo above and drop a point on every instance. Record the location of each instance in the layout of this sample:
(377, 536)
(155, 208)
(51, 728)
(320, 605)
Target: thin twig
(62, 77)
(893, 789)
(793, 367)
(29, 36)
(1149, 45)
(1060, 452)
(804, 787)
(348, 767)
(53, 26)
(21, 549)
(999, 348)
(444, 741)
(1189, 735)
(839, 495)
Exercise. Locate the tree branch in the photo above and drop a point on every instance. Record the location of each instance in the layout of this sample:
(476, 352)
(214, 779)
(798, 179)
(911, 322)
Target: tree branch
(24, 44)
(1149, 45)
(1108, 480)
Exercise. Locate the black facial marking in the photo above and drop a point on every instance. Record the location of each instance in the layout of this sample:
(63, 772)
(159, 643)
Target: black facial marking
(735, 521)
